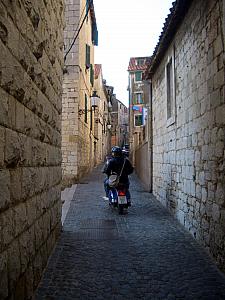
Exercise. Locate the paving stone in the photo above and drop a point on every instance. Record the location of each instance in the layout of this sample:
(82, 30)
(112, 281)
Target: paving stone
(144, 254)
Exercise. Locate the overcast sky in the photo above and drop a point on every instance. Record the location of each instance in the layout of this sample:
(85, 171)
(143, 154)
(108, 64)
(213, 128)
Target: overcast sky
(126, 28)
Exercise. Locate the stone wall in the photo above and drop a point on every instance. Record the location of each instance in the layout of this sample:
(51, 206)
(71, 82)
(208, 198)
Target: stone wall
(143, 164)
(77, 137)
(31, 61)
(189, 155)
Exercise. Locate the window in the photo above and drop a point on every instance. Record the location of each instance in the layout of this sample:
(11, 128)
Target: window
(87, 5)
(91, 75)
(170, 91)
(138, 76)
(88, 54)
(140, 61)
(94, 34)
(85, 109)
(138, 98)
(138, 120)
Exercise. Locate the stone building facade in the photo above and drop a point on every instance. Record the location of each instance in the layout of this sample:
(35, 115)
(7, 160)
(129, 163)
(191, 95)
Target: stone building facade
(122, 129)
(188, 102)
(80, 37)
(139, 119)
(31, 64)
(102, 118)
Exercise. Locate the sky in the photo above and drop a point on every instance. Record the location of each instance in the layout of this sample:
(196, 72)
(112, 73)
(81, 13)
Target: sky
(126, 28)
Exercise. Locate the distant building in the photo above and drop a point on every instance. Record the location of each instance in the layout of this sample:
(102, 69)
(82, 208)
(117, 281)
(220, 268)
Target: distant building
(119, 120)
(122, 127)
(139, 122)
(102, 117)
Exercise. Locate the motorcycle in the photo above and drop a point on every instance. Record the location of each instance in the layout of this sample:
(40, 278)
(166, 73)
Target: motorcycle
(118, 198)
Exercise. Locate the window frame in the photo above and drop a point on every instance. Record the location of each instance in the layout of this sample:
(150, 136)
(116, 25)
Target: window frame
(138, 115)
(170, 90)
(136, 97)
(135, 76)
(88, 56)
(140, 61)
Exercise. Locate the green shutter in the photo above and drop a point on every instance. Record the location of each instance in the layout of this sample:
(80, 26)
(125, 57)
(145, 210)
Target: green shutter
(138, 76)
(87, 5)
(138, 120)
(91, 74)
(88, 52)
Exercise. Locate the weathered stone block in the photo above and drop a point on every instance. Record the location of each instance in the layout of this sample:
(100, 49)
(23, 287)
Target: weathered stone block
(2, 146)
(215, 212)
(28, 175)
(220, 113)
(4, 108)
(19, 117)
(14, 266)
(218, 46)
(20, 218)
(13, 149)
(15, 185)
(220, 194)
(5, 188)
(26, 248)
(3, 275)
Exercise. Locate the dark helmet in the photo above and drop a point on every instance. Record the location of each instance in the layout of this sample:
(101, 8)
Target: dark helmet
(116, 151)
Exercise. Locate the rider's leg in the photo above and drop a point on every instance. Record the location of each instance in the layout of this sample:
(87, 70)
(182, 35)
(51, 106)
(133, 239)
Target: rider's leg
(128, 195)
(106, 187)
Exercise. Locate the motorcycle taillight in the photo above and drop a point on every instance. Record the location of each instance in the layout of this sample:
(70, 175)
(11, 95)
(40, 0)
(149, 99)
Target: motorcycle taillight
(122, 193)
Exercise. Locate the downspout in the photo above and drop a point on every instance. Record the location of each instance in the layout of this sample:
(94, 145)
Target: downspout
(148, 84)
(150, 143)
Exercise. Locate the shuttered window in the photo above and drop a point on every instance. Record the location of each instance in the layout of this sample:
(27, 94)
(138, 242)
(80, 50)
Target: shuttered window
(138, 76)
(138, 120)
(91, 74)
(88, 55)
(169, 77)
(138, 98)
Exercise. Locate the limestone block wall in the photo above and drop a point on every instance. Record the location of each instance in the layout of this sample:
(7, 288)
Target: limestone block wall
(189, 155)
(77, 137)
(31, 61)
(71, 87)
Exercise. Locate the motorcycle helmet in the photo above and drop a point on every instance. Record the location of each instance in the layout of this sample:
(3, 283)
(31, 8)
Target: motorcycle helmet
(116, 151)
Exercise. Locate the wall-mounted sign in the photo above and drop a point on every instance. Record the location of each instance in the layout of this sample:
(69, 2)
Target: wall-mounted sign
(135, 107)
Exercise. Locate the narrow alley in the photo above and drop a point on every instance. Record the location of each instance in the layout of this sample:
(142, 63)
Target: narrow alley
(144, 254)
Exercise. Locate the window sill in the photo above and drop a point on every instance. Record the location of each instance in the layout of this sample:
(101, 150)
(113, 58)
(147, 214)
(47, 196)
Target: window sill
(170, 121)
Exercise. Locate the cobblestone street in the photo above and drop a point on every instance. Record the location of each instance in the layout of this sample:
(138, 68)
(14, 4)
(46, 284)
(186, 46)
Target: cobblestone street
(144, 254)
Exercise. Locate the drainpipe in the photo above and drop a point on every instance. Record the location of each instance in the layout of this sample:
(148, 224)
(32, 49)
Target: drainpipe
(150, 138)
(149, 131)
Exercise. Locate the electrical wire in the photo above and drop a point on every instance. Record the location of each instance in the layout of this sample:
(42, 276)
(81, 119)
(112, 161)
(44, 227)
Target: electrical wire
(90, 2)
(79, 21)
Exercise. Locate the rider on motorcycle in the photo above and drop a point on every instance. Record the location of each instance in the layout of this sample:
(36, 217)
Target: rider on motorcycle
(114, 165)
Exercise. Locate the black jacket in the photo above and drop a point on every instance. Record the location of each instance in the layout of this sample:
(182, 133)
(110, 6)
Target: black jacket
(115, 164)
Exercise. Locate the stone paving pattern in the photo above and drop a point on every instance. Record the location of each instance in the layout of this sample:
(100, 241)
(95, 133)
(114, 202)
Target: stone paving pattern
(144, 254)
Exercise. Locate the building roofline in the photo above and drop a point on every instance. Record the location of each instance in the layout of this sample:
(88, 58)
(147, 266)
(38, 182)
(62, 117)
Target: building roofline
(177, 12)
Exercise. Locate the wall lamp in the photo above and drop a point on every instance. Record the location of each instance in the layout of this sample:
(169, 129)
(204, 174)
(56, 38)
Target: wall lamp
(95, 99)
